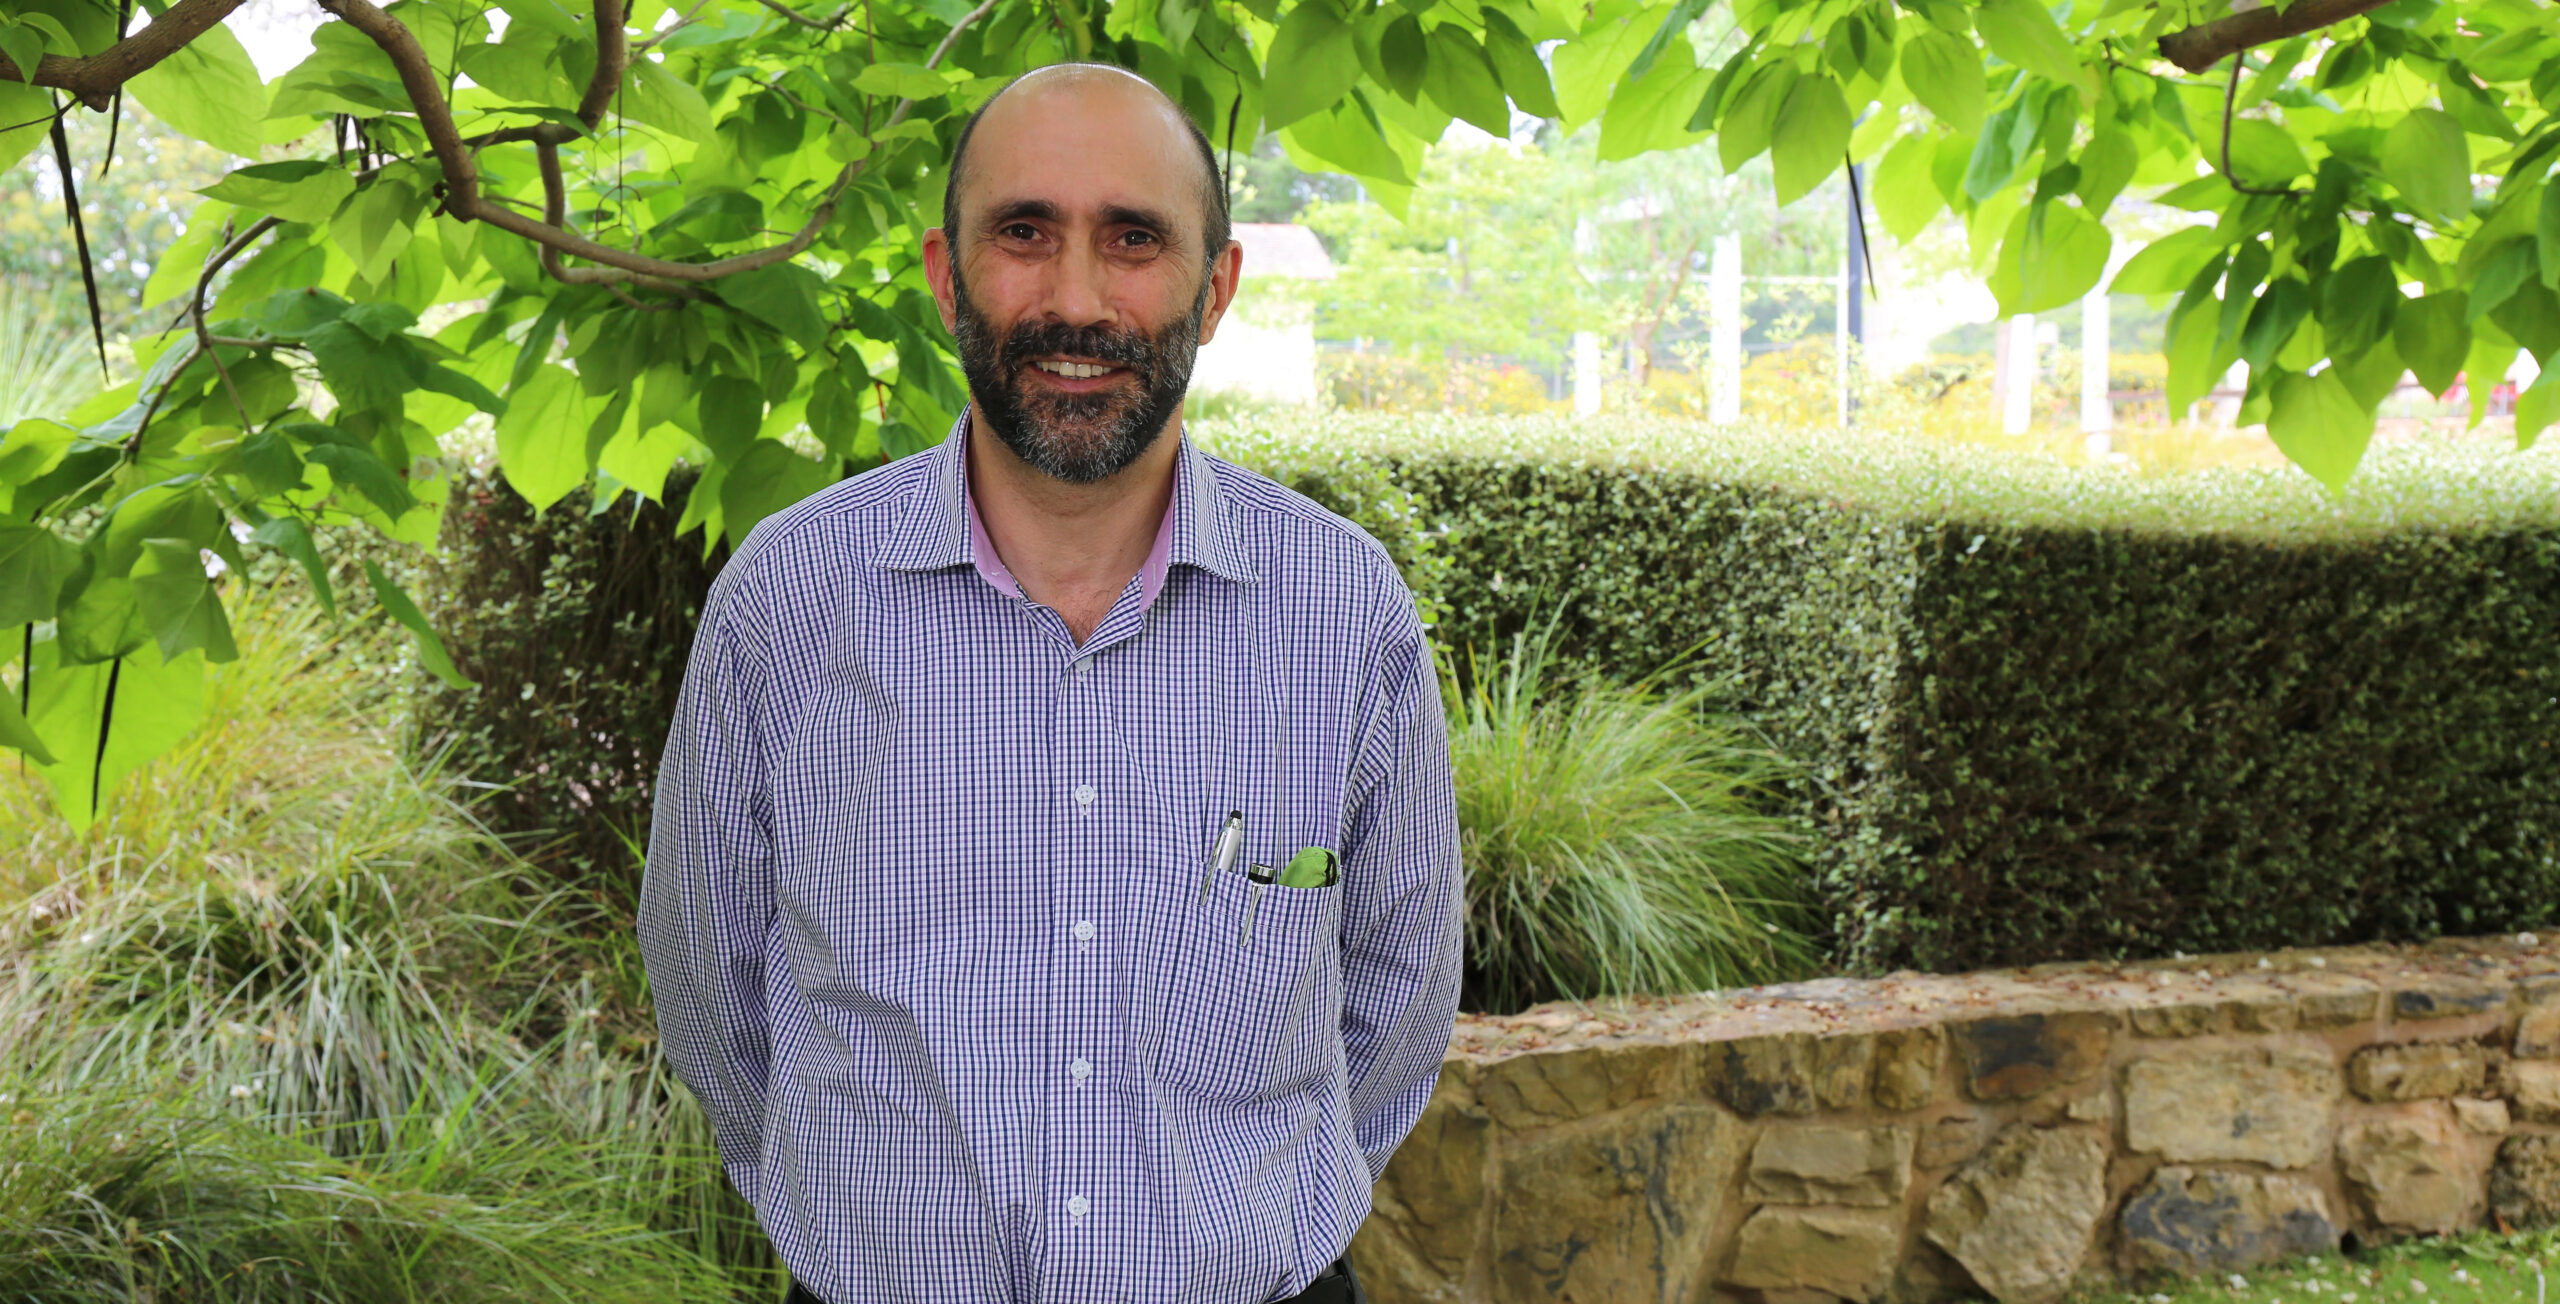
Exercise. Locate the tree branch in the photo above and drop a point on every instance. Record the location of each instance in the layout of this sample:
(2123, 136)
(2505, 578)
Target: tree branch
(826, 24)
(613, 58)
(2230, 97)
(93, 79)
(2198, 48)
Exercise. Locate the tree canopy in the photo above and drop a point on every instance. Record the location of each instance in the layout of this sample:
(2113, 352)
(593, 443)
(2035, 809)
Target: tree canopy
(617, 234)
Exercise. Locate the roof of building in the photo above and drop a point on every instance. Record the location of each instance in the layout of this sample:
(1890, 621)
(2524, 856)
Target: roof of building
(1283, 249)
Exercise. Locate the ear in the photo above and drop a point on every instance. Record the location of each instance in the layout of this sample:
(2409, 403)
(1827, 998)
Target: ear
(1224, 274)
(937, 271)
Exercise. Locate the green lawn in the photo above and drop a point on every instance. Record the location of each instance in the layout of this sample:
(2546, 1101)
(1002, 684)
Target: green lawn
(2482, 1268)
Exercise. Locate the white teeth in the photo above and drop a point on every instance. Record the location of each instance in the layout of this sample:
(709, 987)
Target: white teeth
(1073, 370)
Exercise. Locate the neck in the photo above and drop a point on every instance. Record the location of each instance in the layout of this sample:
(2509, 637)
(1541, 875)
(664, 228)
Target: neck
(1072, 547)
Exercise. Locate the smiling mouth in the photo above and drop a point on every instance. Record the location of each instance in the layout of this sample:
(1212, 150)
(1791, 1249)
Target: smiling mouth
(1074, 370)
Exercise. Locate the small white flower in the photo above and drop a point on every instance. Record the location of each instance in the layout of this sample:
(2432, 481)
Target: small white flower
(241, 1091)
(2528, 939)
(89, 939)
(2417, 1286)
(2237, 1282)
(2349, 1297)
(344, 951)
(2265, 963)
(2319, 962)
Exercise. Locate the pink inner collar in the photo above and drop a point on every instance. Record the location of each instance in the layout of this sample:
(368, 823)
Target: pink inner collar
(991, 567)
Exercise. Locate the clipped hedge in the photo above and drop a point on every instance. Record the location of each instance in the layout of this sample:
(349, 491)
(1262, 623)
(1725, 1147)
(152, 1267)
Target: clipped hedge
(2043, 712)
(2060, 713)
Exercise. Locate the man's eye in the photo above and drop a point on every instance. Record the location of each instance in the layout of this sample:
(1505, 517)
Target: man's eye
(1138, 239)
(1019, 231)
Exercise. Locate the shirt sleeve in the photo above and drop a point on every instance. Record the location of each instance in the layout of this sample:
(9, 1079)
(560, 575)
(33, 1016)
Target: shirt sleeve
(706, 896)
(1402, 907)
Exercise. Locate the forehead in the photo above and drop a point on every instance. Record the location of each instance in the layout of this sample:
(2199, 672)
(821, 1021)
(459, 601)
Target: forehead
(1083, 146)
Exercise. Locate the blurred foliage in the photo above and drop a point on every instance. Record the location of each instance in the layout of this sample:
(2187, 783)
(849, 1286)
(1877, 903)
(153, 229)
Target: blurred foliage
(133, 212)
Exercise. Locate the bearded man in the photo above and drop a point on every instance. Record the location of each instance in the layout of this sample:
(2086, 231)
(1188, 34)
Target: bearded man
(1053, 893)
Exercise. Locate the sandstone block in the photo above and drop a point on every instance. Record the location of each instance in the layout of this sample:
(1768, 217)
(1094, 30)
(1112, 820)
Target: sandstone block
(2019, 1217)
(2263, 1014)
(1841, 1068)
(2482, 1117)
(1906, 1068)
(2188, 1019)
(1849, 1253)
(1813, 1164)
(1952, 1140)
(2095, 1107)
(2408, 1171)
(2446, 998)
(2189, 1223)
(1540, 1090)
(2538, 1034)
(1761, 1075)
(1431, 1199)
(2268, 1107)
(2418, 1070)
(2349, 1001)
(2017, 1056)
(2524, 1185)
(1618, 1211)
(2535, 1087)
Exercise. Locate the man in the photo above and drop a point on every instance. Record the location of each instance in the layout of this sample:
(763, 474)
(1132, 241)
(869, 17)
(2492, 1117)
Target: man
(936, 913)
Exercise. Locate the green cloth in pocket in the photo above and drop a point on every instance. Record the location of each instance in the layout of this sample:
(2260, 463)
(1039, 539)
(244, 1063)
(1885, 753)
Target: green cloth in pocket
(1313, 867)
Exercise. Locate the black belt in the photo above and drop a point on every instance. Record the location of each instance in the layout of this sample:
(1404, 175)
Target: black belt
(1335, 1285)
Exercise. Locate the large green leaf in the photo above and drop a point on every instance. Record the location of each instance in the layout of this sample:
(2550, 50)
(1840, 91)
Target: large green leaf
(2265, 155)
(2024, 33)
(179, 603)
(2427, 157)
(1515, 59)
(297, 190)
(2433, 337)
(155, 704)
(769, 478)
(2052, 255)
(1312, 64)
(16, 733)
(1944, 73)
(1905, 197)
(1751, 119)
(2166, 264)
(210, 90)
(1809, 139)
(1587, 68)
(783, 296)
(2319, 426)
(2537, 407)
(1461, 80)
(33, 563)
(2356, 305)
(542, 439)
(1652, 112)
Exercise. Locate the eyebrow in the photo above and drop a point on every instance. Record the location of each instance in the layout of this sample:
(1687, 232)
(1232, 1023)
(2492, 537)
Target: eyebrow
(1112, 214)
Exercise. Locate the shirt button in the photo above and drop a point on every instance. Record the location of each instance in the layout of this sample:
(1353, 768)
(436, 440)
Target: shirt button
(1079, 1070)
(1084, 794)
(1082, 664)
(1078, 1206)
(1083, 930)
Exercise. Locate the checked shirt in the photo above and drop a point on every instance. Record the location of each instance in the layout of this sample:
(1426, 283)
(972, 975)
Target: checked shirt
(923, 912)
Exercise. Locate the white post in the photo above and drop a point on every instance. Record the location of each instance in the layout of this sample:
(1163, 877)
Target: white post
(2017, 407)
(1586, 373)
(2097, 413)
(1724, 342)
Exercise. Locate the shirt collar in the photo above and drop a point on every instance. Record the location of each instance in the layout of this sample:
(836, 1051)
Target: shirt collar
(939, 527)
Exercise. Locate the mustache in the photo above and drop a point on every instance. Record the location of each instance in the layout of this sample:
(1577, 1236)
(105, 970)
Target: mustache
(1030, 340)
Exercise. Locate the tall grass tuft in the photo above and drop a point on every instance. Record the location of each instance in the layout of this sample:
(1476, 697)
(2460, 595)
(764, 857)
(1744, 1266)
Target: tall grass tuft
(285, 1023)
(44, 362)
(1613, 840)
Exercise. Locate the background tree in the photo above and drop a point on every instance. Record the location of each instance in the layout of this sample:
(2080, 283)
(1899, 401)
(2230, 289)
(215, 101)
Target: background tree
(649, 232)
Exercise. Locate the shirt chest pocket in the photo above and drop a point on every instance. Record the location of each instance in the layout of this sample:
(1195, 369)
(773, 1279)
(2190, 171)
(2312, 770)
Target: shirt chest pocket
(1254, 1018)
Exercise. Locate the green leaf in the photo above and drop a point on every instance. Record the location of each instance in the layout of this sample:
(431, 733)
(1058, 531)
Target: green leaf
(2051, 256)
(2192, 337)
(2537, 407)
(2319, 426)
(33, 563)
(156, 704)
(2107, 164)
(663, 100)
(1587, 68)
(267, 461)
(179, 603)
(783, 296)
(210, 90)
(298, 190)
(2547, 232)
(901, 81)
(2500, 275)
(1404, 56)
(24, 113)
(361, 470)
(1808, 141)
(2273, 320)
(1312, 65)
(431, 653)
(1674, 27)
(1905, 196)
(769, 478)
(2356, 303)
(1516, 61)
(2373, 374)
(1461, 80)
(2024, 33)
(292, 538)
(2485, 366)
(375, 227)
(2168, 263)
(1752, 119)
(1944, 73)
(2265, 155)
(16, 732)
(2426, 156)
(2433, 336)
(542, 440)
(364, 373)
(1652, 112)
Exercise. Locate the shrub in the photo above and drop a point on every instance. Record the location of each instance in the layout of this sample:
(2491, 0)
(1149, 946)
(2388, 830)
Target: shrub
(1613, 843)
(2048, 712)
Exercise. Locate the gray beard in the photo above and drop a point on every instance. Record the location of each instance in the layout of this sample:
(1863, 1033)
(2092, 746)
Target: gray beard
(1077, 438)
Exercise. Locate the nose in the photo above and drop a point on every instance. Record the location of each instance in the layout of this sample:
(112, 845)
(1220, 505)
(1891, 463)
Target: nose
(1079, 293)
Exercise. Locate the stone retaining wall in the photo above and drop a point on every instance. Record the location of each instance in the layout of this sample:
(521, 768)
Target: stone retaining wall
(1916, 1137)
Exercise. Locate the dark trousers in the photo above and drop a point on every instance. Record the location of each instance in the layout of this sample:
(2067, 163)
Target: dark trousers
(1336, 1286)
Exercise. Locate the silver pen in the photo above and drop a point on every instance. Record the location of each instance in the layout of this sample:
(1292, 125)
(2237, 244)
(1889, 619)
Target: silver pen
(1259, 876)
(1223, 854)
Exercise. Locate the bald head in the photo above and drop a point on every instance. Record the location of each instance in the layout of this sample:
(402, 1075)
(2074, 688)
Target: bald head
(1067, 96)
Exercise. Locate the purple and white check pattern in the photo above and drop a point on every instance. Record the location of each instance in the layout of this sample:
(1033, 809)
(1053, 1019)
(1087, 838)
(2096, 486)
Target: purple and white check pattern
(923, 911)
